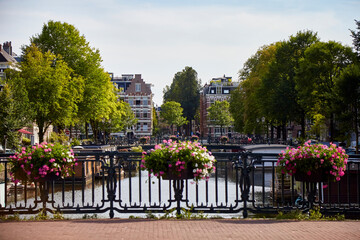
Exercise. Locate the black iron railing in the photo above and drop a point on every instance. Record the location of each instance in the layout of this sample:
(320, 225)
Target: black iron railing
(112, 183)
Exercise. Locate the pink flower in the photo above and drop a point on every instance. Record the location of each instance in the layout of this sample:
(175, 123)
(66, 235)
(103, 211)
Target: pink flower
(308, 173)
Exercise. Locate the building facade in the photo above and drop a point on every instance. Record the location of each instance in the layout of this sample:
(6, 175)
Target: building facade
(218, 89)
(133, 90)
(8, 59)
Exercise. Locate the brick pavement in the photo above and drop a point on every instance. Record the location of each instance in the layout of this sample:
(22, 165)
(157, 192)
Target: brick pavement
(210, 229)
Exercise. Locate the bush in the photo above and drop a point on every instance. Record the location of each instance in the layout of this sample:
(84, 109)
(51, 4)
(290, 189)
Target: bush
(58, 138)
(75, 142)
(25, 141)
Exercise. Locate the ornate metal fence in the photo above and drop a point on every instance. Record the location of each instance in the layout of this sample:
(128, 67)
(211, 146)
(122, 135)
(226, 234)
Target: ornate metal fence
(112, 183)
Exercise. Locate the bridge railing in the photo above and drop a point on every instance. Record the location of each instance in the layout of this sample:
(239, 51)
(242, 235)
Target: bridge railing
(112, 184)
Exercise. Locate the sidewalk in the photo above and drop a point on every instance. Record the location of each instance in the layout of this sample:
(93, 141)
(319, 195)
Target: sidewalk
(94, 229)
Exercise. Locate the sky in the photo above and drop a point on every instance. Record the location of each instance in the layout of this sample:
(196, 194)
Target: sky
(158, 38)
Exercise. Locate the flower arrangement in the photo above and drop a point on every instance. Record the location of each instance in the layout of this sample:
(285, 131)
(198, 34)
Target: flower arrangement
(144, 140)
(194, 138)
(37, 162)
(308, 159)
(224, 139)
(178, 156)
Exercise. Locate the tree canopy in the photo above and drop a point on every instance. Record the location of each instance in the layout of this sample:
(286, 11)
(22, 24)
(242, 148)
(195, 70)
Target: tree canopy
(98, 102)
(51, 91)
(185, 89)
(172, 113)
(219, 114)
(289, 82)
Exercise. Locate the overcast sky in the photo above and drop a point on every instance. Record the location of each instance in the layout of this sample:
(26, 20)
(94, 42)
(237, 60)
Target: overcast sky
(158, 38)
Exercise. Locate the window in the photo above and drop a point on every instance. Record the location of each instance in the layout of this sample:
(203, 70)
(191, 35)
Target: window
(131, 102)
(145, 114)
(137, 87)
(138, 102)
(212, 90)
(145, 102)
(137, 114)
(145, 127)
(138, 127)
(226, 91)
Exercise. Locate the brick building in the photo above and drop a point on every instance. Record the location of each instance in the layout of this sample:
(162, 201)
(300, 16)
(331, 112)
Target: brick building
(219, 89)
(133, 90)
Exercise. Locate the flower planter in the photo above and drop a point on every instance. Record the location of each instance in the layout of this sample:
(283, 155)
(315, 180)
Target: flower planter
(174, 175)
(314, 177)
(42, 163)
(48, 177)
(179, 155)
(324, 162)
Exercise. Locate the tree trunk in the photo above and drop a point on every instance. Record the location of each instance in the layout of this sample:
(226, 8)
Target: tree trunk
(41, 131)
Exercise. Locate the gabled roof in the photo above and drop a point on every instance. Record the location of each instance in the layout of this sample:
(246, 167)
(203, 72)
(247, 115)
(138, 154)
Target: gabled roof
(5, 57)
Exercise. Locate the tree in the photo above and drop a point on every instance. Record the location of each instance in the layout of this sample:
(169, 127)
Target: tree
(356, 38)
(245, 106)
(155, 118)
(51, 91)
(321, 66)
(277, 94)
(185, 89)
(172, 113)
(128, 118)
(348, 89)
(99, 98)
(219, 114)
(14, 111)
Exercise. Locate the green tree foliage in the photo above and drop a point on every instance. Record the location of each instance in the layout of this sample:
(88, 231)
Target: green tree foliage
(128, 117)
(321, 66)
(277, 93)
(14, 111)
(156, 128)
(348, 90)
(119, 119)
(185, 89)
(51, 91)
(219, 114)
(172, 113)
(244, 102)
(99, 99)
(356, 38)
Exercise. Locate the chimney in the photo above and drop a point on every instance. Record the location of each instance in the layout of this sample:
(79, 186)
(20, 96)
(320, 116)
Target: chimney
(7, 48)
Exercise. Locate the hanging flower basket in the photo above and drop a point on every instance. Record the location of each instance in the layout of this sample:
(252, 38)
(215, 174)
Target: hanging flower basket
(187, 173)
(42, 162)
(314, 163)
(315, 176)
(179, 160)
